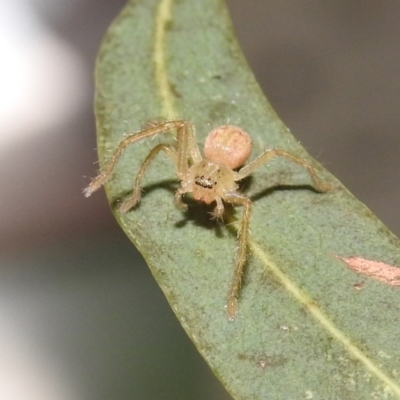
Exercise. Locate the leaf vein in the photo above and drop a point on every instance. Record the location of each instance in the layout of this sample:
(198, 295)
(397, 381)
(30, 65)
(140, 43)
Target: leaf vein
(163, 18)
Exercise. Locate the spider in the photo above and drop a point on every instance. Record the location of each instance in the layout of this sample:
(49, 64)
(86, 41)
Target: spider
(211, 178)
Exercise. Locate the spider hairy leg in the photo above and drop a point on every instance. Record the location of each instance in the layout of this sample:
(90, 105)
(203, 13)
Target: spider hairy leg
(241, 255)
(135, 198)
(133, 138)
(269, 154)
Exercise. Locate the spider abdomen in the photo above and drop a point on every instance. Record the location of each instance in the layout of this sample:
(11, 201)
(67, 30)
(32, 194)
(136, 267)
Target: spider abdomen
(228, 145)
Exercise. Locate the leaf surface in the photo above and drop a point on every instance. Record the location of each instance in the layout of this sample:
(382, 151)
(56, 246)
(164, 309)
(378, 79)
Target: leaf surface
(303, 329)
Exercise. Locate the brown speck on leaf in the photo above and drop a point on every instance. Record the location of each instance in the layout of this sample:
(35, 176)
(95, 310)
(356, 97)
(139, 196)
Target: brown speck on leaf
(359, 285)
(378, 270)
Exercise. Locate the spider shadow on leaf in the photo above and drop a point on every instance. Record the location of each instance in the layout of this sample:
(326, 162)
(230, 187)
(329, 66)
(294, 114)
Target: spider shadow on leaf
(274, 185)
(197, 212)
(170, 185)
(278, 187)
(200, 214)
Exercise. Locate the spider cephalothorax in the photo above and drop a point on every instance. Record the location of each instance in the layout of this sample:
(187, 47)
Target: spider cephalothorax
(209, 179)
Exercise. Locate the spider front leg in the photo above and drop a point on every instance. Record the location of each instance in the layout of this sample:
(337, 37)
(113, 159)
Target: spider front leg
(241, 255)
(135, 198)
(186, 147)
(268, 155)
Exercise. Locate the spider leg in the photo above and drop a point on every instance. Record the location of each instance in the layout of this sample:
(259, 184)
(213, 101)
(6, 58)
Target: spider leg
(135, 198)
(187, 152)
(187, 148)
(241, 255)
(178, 198)
(268, 154)
(153, 130)
(219, 209)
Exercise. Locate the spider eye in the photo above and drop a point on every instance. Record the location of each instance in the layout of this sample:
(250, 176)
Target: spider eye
(204, 182)
(228, 145)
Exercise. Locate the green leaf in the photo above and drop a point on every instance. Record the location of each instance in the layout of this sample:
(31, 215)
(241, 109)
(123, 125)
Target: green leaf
(306, 327)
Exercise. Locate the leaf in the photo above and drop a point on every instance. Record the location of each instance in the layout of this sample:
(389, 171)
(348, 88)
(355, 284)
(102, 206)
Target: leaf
(302, 330)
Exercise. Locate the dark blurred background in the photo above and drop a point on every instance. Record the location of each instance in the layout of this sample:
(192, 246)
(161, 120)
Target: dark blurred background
(80, 315)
